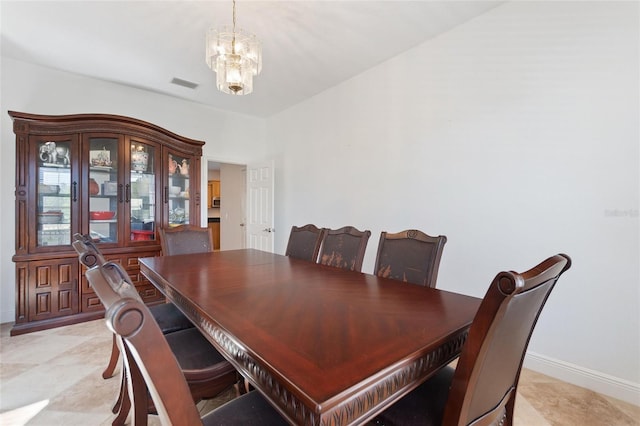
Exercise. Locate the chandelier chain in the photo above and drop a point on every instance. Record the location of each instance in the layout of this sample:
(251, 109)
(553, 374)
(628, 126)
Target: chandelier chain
(233, 42)
(234, 16)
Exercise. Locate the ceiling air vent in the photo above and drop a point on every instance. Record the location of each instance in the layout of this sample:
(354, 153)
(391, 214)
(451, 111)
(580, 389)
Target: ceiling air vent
(184, 83)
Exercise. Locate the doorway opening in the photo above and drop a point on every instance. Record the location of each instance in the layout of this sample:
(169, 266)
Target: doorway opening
(225, 203)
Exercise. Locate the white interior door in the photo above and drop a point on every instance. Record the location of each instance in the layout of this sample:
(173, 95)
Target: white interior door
(260, 206)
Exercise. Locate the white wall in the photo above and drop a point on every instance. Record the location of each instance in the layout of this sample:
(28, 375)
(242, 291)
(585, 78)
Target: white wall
(213, 174)
(39, 90)
(516, 135)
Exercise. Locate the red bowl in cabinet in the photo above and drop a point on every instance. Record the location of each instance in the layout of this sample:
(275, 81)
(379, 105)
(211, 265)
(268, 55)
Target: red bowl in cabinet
(141, 235)
(102, 215)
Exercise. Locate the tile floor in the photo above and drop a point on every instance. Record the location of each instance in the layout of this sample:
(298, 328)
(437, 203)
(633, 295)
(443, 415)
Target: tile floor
(53, 377)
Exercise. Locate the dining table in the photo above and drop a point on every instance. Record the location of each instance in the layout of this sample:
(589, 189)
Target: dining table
(325, 346)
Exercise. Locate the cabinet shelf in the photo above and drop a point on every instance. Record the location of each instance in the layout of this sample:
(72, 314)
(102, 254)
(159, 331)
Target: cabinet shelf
(55, 165)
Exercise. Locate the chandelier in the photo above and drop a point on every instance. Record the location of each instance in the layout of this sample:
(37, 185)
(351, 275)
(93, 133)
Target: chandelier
(235, 56)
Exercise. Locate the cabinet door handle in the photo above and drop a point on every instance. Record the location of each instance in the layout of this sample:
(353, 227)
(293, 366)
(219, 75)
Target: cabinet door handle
(74, 191)
(127, 195)
(120, 191)
(166, 194)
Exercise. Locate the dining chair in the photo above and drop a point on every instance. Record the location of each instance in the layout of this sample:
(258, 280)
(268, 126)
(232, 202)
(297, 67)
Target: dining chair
(151, 357)
(344, 248)
(185, 239)
(481, 390)
(90, 256)
(304, 242)
(204, 368)
(167, 315)
(410, 256)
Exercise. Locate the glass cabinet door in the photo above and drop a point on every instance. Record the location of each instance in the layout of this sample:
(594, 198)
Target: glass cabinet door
(104, 189)
(55, 193)
(141, 191)
(177, 190)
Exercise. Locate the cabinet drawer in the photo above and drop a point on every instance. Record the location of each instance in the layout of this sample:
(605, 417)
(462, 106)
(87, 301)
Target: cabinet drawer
(149, 293)
(129, 262)
(91, 303)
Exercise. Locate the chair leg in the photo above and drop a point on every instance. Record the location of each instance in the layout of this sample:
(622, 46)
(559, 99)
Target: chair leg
(240, 385)
(122, 406)
(121, 393)
(138, 390)
(113, 361)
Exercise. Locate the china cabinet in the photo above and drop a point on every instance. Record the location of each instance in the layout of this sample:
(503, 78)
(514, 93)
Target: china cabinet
(116, 178)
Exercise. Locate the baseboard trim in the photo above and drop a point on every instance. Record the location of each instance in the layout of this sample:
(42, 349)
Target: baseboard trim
(584, 377)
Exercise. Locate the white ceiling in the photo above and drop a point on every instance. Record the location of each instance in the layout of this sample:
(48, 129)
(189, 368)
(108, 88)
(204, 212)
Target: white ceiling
(308, 46)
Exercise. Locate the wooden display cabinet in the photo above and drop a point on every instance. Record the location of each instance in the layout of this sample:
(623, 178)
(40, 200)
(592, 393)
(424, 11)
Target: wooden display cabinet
(117, 179)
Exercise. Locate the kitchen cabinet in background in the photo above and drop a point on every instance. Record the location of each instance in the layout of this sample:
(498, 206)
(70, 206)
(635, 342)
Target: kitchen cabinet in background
(214, 225)
(213, 191)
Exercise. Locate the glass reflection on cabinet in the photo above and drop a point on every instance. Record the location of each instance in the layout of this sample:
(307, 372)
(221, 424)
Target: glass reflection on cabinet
(178, 190)
(143, 192)
(103, 189)
(53, 194)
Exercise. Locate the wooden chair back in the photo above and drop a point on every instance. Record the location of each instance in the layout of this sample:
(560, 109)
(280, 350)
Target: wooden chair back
(411, 256)
(88, 252)
(185, 239)
(344, 248)
(129, 318)
(484, 385)
(304, 242)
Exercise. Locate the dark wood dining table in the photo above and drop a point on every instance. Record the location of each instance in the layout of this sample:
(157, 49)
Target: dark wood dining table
(326, 346)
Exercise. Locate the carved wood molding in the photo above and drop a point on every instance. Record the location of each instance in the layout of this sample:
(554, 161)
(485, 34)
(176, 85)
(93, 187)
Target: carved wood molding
(51, 125)
(378, 396)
